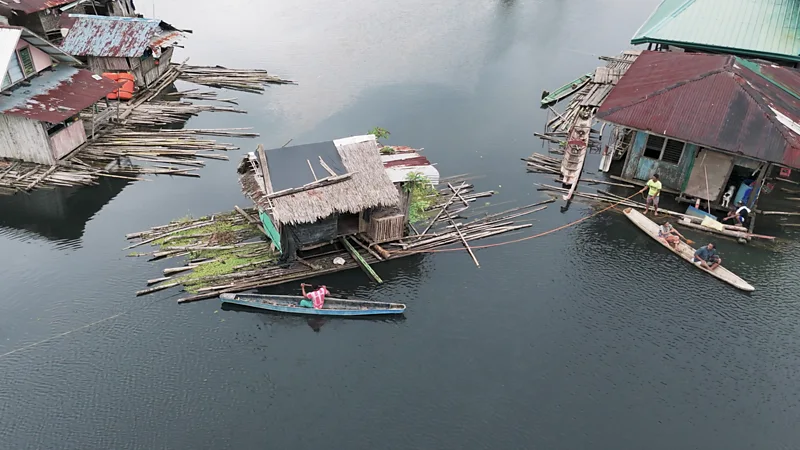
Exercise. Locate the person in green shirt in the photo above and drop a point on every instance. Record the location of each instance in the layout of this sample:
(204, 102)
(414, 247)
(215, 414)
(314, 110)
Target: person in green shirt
(652, 196)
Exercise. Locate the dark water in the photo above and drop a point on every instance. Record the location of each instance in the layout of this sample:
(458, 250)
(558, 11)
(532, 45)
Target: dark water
(593, 337)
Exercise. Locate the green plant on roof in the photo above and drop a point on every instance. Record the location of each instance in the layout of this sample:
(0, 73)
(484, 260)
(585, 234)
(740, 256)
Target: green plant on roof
(386, 150)
(380, 133)
(421, 195)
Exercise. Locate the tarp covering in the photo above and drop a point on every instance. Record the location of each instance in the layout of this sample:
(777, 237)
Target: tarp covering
(288, 166)
(272, 232)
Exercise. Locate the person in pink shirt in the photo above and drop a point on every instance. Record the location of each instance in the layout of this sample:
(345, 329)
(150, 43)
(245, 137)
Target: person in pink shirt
(314, 299)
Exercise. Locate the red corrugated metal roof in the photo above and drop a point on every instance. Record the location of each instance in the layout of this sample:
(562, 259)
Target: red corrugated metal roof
(32, 6)
(57, 94)
(717, 101)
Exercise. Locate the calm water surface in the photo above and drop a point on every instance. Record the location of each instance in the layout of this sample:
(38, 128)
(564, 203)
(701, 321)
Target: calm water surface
(594, 337)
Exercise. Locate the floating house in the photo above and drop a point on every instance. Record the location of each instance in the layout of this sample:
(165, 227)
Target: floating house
(44, 17)
(139, 46)
(764, 29)
(310, 195)
(41, 97)
(707, 124)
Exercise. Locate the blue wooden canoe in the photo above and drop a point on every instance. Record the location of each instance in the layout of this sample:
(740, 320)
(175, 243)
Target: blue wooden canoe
(332, 306)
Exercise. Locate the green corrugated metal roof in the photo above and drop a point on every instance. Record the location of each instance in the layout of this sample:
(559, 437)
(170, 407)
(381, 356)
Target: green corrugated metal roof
(756, 27)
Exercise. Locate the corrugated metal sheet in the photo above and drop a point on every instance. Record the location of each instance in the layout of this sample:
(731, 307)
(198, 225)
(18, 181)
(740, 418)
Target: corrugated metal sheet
(714, 101)
(399, 165)
(10, 35)
(32, 6)
(766, 28)
(57, 94)
(125, 37)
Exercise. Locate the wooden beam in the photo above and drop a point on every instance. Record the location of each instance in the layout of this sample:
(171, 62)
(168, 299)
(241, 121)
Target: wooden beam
(361, 262)
(314, 185)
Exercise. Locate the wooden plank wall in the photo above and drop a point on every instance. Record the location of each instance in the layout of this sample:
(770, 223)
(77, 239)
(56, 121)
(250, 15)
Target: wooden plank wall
(386, 229)
(24, 139)
(68, 139)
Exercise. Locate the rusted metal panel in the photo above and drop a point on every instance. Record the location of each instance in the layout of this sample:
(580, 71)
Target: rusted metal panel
(32, 6)
(68, 139)
(57, 94)
(715, 101)
(117, 36)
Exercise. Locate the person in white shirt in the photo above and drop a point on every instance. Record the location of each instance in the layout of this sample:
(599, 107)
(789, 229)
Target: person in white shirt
(739, 213)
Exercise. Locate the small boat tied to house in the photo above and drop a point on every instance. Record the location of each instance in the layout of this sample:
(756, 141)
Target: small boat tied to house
(685, 251)
(331, 307)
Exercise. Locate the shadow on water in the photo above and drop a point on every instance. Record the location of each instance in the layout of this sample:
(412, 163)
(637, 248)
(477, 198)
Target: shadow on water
(57, 214)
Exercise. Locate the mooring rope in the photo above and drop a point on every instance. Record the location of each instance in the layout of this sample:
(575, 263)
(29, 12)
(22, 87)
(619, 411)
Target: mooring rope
(60, 335)
(544, 233)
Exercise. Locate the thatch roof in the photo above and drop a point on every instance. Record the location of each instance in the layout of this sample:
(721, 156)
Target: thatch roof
(368, 187)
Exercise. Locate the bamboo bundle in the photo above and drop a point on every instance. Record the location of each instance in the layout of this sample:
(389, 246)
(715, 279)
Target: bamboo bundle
(250, 80)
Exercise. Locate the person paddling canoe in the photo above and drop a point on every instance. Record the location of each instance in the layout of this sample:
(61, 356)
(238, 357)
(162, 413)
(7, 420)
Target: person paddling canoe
(670, 235)
(314, 299)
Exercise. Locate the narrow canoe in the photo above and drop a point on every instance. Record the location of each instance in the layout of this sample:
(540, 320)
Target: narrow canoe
(567, 89)
(685, 251)
(331, 307)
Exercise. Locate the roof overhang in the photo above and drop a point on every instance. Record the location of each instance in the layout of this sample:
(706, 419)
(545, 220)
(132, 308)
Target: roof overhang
(709, 48)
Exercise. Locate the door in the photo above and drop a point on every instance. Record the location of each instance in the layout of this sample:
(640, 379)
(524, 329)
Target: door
(647, 167)
(710, 172)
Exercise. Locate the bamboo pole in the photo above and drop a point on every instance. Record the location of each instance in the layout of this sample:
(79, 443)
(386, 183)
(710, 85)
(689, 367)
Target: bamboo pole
(464, 241)
(361, 261)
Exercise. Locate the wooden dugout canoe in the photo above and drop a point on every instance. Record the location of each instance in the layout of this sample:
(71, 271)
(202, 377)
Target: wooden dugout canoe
(685, 251)
(332, 306)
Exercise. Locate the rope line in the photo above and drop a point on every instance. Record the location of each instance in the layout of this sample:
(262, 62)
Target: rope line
(544, 233)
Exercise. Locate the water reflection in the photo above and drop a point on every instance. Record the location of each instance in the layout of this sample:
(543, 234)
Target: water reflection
(59, 214)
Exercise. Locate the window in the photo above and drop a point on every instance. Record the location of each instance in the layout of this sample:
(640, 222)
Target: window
(26, 61)
(654, 146)
(663, 149)
(6, 81)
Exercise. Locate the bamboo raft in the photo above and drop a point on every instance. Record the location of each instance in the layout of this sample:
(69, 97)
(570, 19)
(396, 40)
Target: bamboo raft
(249, 261)
(254, 81)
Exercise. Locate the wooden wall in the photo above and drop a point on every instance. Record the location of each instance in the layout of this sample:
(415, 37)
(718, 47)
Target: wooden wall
(323, 230)
(99, 65)
(24, 139)
(386, 227)
(672, 176)
(68, 139)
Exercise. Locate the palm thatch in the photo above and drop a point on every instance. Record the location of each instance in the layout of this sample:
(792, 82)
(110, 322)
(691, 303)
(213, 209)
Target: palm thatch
(368, 187)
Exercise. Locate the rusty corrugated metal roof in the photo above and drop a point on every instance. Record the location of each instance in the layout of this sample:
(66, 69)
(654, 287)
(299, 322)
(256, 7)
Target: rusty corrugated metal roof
(32, 6)
(715, 101)
(122, 37)
(57, 94)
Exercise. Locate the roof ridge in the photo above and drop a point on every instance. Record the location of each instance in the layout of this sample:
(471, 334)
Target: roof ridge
(763, 103)
(669, 88)
(755, 68)
(676, 12)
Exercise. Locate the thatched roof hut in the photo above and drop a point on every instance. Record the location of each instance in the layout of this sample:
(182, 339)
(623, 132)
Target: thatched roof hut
(324, 190)
(367, 187)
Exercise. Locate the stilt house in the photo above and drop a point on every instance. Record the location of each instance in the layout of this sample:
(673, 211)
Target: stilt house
(310, 195)
(44, 17)
(707, 124)
(140, 46)
(41, 97)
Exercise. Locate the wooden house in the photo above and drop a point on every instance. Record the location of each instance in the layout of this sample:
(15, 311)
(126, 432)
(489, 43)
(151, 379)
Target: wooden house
(44, 17)
(140, 46)
(310, 195)
(41, 97)
(764, 29)
(706, 123)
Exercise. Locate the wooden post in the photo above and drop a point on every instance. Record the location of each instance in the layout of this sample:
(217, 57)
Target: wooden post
(361, 262)
(762, 177)
(464, 241)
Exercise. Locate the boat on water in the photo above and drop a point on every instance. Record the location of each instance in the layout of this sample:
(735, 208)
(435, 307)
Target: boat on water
(332, 306)
(566, 90)
(685, 251)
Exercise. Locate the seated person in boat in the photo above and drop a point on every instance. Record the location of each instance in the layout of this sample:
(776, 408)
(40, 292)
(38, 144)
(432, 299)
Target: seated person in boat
(670, 235)
(653, 194)
(707, 257)
(314, 299)
(739, 214)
